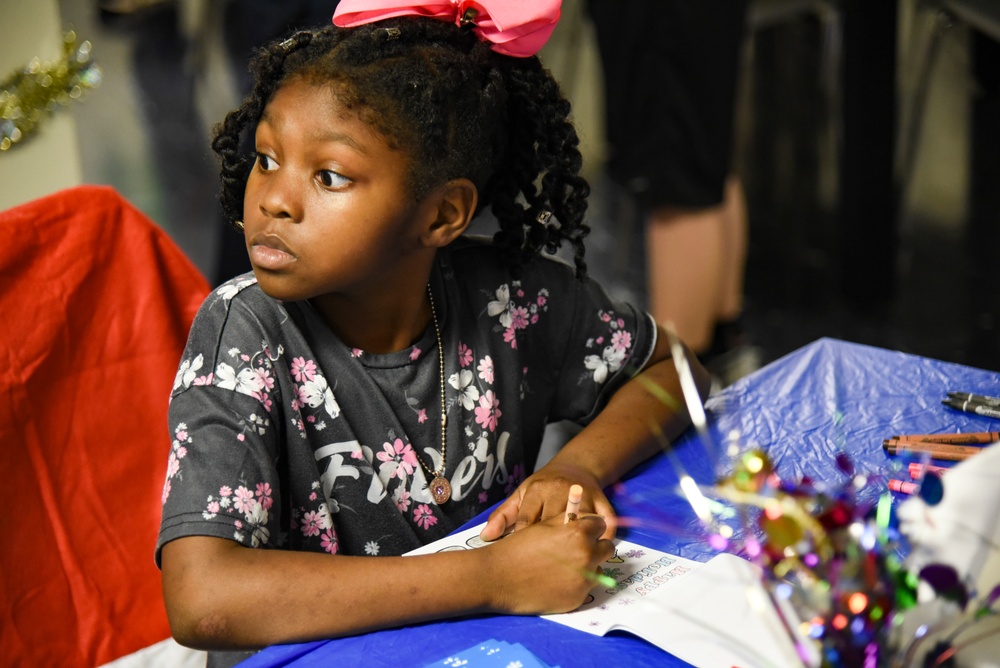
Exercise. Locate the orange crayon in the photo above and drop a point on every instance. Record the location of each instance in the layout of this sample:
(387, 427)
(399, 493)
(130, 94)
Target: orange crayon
(573, 503)
(966, 438)
(952, 453)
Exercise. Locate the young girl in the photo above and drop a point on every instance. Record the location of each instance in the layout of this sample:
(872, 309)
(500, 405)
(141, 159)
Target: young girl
(380, 379)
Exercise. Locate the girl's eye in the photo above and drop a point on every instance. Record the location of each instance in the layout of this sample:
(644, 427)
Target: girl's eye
(266, 162)
(331, 179)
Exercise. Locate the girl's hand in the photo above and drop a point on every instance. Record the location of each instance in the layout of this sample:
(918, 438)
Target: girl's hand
(548, 568)
(543, 496)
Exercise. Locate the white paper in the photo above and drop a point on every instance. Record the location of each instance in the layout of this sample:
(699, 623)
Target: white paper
(711, 615)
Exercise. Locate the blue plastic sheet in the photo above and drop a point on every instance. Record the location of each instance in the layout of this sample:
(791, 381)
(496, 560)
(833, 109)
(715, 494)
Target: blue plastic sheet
(827, 398)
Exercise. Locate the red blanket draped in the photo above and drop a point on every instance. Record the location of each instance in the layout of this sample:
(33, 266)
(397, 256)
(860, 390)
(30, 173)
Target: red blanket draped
(95, 305)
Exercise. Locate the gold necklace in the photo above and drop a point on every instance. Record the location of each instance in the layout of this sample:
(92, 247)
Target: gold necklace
(440, 487)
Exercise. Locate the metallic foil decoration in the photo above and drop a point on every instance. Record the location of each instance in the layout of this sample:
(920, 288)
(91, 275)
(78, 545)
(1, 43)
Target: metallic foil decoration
(29, 96)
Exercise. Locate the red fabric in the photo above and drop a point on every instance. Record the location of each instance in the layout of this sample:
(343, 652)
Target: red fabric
(95, 306)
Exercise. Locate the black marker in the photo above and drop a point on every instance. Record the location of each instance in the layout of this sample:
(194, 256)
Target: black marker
(968, 407)
(992, 402)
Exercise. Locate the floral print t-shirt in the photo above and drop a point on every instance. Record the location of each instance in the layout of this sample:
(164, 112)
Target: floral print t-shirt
(283, 437)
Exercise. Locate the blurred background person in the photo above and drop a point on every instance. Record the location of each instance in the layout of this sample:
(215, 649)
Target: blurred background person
(670, 77)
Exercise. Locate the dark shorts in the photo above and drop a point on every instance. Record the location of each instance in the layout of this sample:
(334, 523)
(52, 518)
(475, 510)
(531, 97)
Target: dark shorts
(670, 77)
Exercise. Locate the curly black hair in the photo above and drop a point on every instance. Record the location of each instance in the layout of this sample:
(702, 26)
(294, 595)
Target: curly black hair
(456, 108)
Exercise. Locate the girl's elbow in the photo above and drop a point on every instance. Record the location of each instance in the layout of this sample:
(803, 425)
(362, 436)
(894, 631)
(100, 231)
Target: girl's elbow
(195, 622)
(194, 597)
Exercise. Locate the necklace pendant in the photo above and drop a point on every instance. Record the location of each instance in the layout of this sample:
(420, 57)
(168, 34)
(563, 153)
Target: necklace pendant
(440, 490)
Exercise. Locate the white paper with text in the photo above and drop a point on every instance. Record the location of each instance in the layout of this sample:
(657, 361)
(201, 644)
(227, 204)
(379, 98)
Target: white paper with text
(712, 615)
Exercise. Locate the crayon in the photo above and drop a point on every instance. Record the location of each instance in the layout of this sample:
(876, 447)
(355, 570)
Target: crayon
(906, 441)
(573, 503)
(992, 402)
(967, 407)
(919, 470)
(903, 486)
(957, 438)
(953, 453)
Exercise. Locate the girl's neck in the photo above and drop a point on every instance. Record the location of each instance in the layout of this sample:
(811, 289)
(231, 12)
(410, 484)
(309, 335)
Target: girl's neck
(389, 323)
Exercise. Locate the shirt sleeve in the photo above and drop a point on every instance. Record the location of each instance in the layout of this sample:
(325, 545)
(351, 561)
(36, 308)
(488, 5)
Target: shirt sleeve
(598, 343)
(222, 478)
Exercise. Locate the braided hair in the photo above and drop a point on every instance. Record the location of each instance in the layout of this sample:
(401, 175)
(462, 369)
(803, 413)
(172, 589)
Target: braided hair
(455, 107)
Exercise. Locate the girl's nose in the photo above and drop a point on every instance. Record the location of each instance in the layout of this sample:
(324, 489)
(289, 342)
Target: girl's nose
(280, 198)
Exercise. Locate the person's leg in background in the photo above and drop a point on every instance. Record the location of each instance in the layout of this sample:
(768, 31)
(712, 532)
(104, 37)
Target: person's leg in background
(696, 261)
(671, 70)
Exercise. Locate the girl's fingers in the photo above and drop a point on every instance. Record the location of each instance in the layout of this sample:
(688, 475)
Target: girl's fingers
(504, 517)
(603, 508)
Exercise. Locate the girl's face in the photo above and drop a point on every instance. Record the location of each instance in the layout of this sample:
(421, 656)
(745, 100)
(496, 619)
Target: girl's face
(328, 208)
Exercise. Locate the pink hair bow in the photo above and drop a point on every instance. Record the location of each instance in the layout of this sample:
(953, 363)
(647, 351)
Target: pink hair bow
(513, 27)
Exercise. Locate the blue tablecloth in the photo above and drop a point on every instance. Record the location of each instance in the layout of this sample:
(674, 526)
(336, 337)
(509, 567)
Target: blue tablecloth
(803, 409)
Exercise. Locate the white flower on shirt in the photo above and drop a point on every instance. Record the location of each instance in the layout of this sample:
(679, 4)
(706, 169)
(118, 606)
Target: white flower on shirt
(316, 392)
(230, 290)
(371, 548)
(256, 516)
(187, 371)
(248, 381)
(468, 393)
(610, 361)
(502, 306)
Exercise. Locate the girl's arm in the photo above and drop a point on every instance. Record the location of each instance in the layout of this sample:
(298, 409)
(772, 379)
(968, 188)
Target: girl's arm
(222, 595)
(617, 440)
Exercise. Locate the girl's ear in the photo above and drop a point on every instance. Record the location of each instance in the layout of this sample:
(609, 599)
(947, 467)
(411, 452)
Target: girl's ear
(456, 206)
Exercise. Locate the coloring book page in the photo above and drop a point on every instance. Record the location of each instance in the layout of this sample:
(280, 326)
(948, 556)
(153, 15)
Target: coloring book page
(715, 614)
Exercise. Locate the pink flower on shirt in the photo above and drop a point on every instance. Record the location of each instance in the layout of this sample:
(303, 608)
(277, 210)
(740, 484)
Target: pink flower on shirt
(266, 379)
(488, 411)
(173, 465)
(329, 541)
(312, 523)
(424, 516)
(464, 355)
(403, 456)
(486, 369)
(519, 317)
(402, 499)
(415, 353)
(621, 340)
(264, 495)
(510, 336)
(244, 500)
(303, 369)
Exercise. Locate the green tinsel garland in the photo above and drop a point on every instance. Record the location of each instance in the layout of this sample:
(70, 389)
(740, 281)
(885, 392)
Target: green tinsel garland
(29, 96)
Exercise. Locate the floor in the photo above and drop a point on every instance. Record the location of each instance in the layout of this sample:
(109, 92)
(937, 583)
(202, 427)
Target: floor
(145, 131)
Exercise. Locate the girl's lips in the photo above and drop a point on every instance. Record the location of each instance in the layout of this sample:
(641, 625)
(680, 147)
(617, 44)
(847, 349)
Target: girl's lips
(268, 251)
